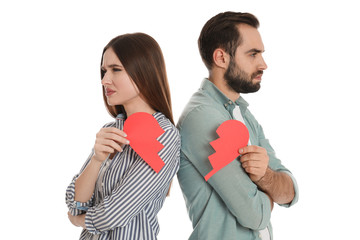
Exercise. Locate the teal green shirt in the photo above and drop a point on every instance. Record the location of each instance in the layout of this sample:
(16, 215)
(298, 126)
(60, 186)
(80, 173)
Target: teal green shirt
(229, 206)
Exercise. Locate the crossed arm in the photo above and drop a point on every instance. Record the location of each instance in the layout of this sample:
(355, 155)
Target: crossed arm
(102, 216)
(276, 184)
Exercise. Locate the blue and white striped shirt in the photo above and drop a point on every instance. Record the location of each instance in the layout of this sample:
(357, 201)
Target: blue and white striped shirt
(129, 193)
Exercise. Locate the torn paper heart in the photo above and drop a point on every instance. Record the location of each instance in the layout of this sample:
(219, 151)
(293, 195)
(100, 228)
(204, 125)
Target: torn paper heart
(142, 131)
(233, 135)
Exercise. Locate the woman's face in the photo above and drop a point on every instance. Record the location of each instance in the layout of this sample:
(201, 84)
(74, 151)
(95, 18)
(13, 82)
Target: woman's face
(119, 88)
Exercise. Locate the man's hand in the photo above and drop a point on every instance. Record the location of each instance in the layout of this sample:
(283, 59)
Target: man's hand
(277, 185)
(255, 161)
(78, 221)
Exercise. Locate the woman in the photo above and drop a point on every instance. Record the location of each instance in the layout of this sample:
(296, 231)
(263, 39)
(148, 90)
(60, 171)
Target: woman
(117, 195)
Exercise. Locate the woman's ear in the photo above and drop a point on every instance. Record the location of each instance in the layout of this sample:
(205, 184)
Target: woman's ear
(221, 58)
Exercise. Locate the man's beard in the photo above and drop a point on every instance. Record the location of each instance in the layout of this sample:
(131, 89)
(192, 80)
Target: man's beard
(239, 80)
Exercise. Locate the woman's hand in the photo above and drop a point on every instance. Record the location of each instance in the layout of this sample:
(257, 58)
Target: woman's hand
(108, 140)
(78, 221)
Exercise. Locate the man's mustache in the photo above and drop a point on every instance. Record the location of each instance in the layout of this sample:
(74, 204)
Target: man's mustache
(260, 72)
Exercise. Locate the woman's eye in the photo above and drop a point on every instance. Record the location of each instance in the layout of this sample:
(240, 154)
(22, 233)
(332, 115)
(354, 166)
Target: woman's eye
(102, 73)
(117, 70)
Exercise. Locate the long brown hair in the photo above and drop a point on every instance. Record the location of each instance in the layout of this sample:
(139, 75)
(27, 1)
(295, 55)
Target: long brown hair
(143, 61)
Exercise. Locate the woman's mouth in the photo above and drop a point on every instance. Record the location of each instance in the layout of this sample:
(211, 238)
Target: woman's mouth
(109, 92)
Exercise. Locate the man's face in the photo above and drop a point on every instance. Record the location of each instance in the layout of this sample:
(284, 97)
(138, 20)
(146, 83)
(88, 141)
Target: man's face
(245, 70)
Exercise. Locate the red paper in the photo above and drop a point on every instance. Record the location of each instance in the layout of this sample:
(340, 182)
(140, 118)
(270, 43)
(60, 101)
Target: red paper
(142, 131)
(233, 135)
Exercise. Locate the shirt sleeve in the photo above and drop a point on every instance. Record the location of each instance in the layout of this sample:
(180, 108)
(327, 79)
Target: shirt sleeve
(140, 185)
(250, 206)
(77, 208)
(275, 163)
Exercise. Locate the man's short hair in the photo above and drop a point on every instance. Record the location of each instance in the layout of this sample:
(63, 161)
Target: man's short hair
(221, 32)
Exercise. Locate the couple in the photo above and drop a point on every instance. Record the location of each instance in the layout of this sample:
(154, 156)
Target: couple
(117, 195)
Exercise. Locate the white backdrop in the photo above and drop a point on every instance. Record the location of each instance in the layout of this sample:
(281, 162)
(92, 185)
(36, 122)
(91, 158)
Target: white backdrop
(51, 104)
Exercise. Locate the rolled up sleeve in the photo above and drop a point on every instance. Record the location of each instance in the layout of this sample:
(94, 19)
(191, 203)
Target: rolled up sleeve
(77, 208)
(275, 163)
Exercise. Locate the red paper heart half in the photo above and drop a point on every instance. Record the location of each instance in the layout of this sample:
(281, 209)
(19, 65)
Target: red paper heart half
(142, 131)
(233, 135)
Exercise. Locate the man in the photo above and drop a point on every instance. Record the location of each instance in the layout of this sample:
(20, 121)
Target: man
(236, 202)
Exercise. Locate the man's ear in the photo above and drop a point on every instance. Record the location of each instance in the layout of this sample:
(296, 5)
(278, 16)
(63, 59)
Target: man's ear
(221, 58)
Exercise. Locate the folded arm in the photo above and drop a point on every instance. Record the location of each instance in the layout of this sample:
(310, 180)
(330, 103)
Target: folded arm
(250, 206)
(278, 185)
(140, 185)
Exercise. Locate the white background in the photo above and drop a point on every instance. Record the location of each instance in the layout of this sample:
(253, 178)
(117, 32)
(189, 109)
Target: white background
(51, 104)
